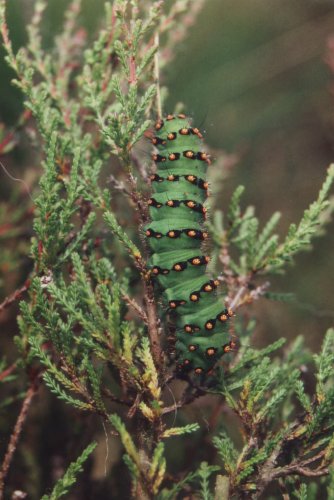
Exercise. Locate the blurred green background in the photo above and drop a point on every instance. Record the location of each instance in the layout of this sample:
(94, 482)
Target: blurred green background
(255, 76)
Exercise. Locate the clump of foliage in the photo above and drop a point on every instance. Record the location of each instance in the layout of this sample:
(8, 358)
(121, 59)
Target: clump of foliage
(91, 328)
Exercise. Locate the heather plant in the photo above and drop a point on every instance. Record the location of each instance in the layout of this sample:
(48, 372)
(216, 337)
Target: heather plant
(92, 327)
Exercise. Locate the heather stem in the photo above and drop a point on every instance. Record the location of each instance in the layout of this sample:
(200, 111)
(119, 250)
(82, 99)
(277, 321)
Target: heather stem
(14, 438)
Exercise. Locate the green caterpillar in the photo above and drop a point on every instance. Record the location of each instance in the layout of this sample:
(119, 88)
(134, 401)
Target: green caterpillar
(175, 236)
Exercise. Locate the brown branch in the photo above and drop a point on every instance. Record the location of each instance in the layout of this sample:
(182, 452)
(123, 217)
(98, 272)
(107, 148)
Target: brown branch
(302, 467)
(170, 409)
(14, 438)
(269, 472)
(283, 490)
(138, 200)
(16, 295)
(108, 394)
(132, 303)
(149, 299)
(301, 471)
(132, 71)
(185, 400)
(152, 322)
(5, 373)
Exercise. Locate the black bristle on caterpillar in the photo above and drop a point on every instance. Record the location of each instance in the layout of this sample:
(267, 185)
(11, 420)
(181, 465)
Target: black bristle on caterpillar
(177, 210)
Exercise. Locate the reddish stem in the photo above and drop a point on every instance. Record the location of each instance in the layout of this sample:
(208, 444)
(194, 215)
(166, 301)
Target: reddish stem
(14, 296)
(5, 373)
(14, 438)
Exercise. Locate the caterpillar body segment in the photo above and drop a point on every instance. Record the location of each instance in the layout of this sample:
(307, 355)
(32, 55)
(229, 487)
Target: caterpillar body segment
(176, 235)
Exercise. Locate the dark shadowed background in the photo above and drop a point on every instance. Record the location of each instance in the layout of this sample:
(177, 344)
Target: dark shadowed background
(256, 76)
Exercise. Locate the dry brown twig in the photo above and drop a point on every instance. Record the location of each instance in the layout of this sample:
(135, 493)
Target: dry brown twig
(14, 438)
(16, 295)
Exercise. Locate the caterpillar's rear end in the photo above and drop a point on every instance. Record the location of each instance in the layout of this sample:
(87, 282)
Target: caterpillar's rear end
(176, 235)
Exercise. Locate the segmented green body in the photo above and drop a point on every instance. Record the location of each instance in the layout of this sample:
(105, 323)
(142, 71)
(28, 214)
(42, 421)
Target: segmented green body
(176, 234)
